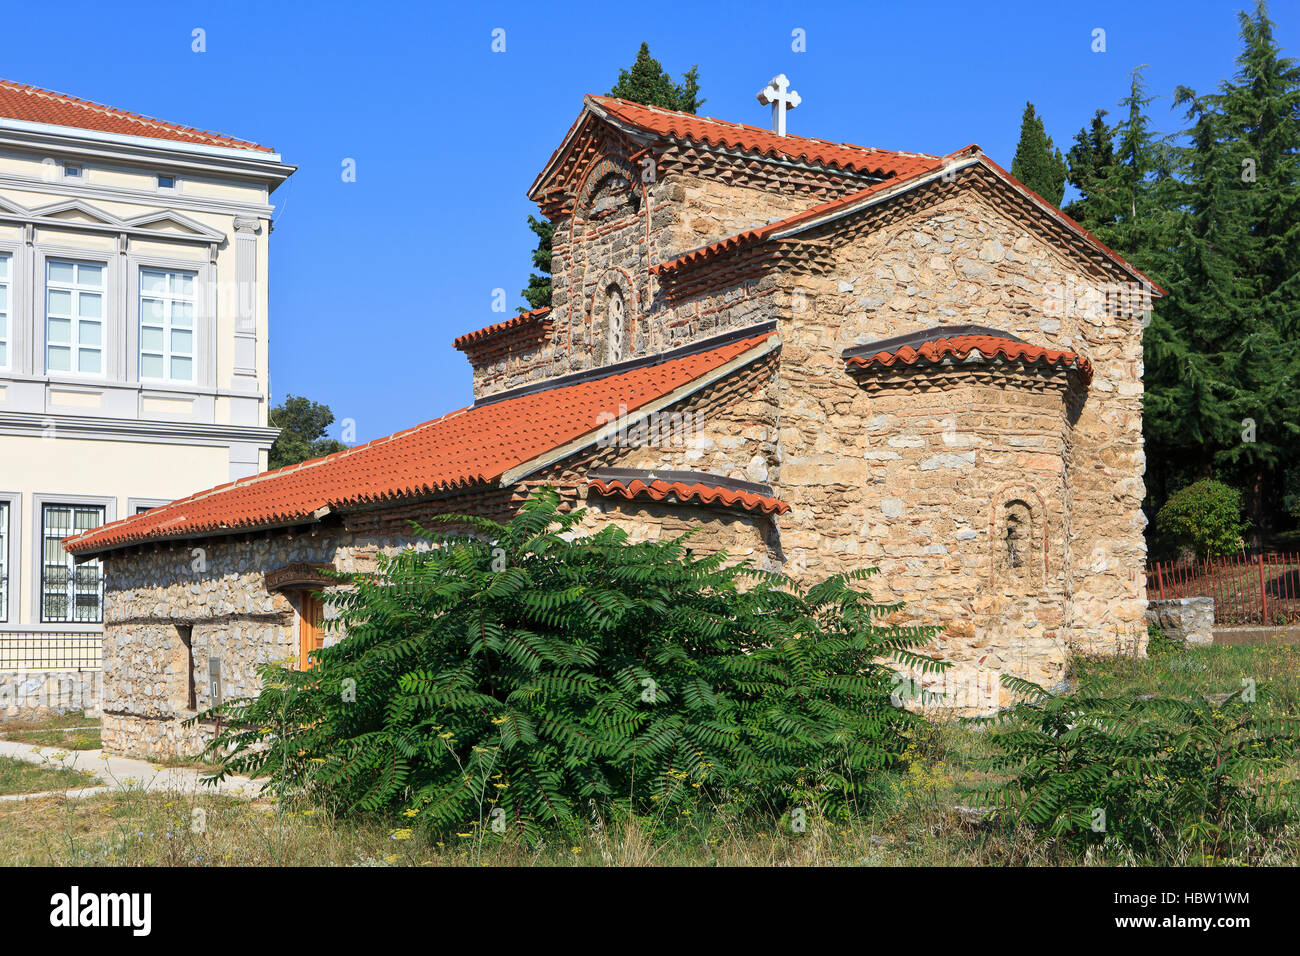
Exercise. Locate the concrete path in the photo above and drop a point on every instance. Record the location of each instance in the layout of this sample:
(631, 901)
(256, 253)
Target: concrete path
(127, 773)
(1256, 635)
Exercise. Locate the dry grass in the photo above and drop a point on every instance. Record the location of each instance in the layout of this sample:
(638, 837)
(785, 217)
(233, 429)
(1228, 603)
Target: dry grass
(915, 819)
(146, 829)
(916, 824)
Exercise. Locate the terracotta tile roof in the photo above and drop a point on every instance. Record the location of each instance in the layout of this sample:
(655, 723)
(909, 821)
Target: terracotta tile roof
(963, 348)
(474, 446)
(721, 134)
(34, 105)
(518, 321)
(658, 490)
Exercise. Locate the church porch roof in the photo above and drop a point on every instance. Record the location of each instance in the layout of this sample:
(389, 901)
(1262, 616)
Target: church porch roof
(488, 445)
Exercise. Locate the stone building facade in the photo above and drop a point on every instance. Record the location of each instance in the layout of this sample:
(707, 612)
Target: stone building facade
(819, 357)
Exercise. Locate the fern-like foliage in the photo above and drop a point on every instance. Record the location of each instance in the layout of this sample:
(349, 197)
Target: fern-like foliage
(1154, 775)
(517, 675)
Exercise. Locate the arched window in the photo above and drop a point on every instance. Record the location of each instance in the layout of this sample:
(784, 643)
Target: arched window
(615, 325)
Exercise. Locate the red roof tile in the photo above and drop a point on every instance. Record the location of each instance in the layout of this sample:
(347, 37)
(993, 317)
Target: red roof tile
(658, 490)
(960, 348)
(34, 105)
(474, 446)
(752, 139)
(522, 319)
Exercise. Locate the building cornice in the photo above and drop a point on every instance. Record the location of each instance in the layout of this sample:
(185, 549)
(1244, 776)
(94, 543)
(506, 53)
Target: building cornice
(141, 197)
(266, 157)
(153, 153)
(118, 429)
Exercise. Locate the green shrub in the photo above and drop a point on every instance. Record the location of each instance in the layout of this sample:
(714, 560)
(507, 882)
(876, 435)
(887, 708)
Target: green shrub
(1205, 516)
(525, 678)
(1154, 776)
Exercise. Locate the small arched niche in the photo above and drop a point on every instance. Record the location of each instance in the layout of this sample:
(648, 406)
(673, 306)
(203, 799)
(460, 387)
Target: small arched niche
(1017, 544)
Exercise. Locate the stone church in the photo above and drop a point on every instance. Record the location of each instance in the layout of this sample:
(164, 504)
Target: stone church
(820, 356)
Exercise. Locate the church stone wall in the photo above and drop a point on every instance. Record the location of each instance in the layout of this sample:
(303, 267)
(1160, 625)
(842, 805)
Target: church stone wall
(747, 538)
(956, 260)
(709, 210)
(918, 480)
(514, 359)
(220, 595)
(611, 239)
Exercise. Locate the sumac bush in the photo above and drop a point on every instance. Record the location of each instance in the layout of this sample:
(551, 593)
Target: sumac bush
(1163, 779)
(522, 677)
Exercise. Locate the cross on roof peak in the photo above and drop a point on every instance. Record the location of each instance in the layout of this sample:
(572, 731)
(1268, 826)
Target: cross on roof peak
(782, 98)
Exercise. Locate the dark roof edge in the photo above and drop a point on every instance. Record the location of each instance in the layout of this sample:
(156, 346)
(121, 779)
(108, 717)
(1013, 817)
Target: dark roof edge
(688, 477)
(925, 335)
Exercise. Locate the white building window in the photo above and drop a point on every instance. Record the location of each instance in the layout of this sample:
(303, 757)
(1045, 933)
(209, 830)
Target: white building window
(74, 310)
(4, 560)
(71, 593)
(167, 325)
(6, 294)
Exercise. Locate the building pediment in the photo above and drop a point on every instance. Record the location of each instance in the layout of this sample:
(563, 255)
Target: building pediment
(171, 221)
(79, 213)
(75, 210)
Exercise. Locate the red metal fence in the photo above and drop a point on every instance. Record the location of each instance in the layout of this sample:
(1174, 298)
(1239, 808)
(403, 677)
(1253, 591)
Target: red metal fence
(1259, 589)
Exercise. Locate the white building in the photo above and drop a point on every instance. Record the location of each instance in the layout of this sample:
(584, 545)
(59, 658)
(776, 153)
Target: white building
(133, 342)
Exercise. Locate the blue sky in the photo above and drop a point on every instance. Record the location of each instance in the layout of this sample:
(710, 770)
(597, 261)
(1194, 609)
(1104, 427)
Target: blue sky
(371, 280)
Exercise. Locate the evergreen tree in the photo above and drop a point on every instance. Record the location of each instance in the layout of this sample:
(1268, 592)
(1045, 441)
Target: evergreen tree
(1225, 377)
(1093, 151)
(644, 82)
(538, 292)
(1037, 163)
(1132, 194)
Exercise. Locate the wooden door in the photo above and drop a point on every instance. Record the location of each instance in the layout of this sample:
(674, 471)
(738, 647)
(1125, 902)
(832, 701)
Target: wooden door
(311, 635)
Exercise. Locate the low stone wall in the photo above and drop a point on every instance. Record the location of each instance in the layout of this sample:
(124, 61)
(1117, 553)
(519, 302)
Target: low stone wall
(154, 738)
(1189, 620)
(45, 692)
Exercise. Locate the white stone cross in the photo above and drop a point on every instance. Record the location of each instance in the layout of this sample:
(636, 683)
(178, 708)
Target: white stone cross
(782, 98)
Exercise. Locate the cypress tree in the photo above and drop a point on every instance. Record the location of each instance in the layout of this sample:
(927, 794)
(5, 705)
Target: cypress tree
(1037, 163)
(648, 83)
(538, 292)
